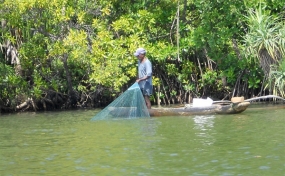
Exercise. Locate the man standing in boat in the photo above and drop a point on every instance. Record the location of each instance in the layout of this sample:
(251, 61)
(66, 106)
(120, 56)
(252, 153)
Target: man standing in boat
(144, 75)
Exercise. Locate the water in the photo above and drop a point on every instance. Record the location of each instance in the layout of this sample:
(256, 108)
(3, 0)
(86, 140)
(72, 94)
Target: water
(67, 143)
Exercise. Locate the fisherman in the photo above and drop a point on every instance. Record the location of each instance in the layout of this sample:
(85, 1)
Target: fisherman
(144, 75)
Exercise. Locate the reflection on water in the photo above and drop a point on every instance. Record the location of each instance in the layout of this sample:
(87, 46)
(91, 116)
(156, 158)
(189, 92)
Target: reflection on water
(204, 126)
(203, 123)
(67, 143)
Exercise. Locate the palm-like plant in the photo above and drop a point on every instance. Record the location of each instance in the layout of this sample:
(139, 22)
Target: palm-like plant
(277, 79)
(265, 39)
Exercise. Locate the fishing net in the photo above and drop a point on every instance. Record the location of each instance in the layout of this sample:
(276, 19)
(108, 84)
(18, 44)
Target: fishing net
(129, 105)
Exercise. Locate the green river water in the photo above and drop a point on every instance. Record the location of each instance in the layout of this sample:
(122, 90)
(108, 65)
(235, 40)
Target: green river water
(68, 143)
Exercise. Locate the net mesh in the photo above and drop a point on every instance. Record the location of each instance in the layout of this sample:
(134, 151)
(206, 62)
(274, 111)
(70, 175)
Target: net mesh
(130, 105)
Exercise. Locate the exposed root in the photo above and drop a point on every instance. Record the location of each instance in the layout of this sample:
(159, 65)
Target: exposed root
(26, 105)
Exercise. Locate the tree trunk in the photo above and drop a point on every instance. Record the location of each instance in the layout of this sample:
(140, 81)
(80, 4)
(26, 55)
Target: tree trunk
(72, 94)
(158, 98)
(68, 75)
(265, 61)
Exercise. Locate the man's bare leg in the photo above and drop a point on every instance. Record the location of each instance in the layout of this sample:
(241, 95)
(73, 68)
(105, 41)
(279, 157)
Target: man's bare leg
(147, 102)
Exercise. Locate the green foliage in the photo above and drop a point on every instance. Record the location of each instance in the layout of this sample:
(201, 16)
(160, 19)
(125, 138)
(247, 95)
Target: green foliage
(218, 24)
(172, 69)
(173, 93)
(275, 7)
(266, 32)
(253, 78)
(187, 68)
(99, 38)
(189, 87)
(265, 39)
(277, 79)
(211, 80)
(209, 77)
(11, 85)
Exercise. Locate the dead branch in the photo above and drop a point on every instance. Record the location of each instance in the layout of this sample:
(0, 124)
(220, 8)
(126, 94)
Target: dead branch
(265, 97)
(253, 99)
(24, 104)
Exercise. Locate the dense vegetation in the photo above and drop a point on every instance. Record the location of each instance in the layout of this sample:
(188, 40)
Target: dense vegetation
(64, 54)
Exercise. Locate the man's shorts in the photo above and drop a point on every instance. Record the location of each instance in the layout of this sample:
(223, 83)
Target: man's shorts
(147, 89)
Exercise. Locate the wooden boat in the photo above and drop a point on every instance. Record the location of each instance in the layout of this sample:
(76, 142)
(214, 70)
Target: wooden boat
(228, 108)
(235, 106)
(222, 108)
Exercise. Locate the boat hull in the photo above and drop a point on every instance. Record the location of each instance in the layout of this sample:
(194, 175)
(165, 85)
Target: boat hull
(232, 108)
